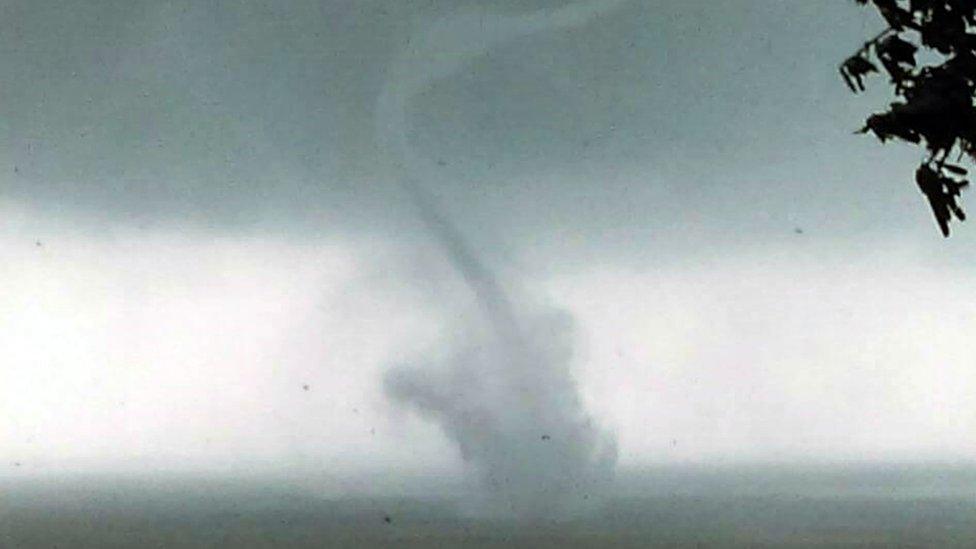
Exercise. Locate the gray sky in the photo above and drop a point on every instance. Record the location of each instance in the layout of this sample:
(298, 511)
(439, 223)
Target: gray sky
(196, 220)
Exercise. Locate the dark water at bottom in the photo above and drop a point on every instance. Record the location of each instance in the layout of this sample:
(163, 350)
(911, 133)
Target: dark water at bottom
(730, 508)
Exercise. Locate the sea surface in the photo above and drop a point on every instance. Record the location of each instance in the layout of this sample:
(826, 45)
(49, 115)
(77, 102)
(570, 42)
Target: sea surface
(755, 506)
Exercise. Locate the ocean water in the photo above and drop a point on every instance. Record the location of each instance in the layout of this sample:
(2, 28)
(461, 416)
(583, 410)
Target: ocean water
(757, 506)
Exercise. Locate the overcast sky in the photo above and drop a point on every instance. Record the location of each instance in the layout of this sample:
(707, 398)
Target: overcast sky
(195, 224)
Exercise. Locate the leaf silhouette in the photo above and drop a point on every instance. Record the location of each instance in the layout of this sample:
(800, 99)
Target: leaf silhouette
(935, 100)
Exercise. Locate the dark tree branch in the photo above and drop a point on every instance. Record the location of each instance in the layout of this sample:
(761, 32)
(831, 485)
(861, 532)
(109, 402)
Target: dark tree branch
(935, 106)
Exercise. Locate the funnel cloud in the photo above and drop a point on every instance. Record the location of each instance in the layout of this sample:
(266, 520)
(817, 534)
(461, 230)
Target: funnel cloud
(504, 392)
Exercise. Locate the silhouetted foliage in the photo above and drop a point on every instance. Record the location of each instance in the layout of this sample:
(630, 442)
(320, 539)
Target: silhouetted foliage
(934, 106)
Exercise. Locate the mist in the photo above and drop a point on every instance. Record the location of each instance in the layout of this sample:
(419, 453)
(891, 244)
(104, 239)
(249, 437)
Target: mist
(395, 269)
(507, 398)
